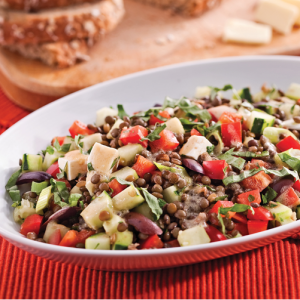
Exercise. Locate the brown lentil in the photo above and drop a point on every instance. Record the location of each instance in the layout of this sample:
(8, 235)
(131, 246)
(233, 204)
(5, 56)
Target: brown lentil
(163, 157)
(254, 204)
(156, 179)
(92, 127)
(253, 143)
(180, 214)
(80, 245)
(110, 120)
(220, 188)
(296, 133)
(166, 236)
(175, 155)
(172, 226)
(115, 132)
(212, 197)
(141, 182)
(31, 235)
(157, 188)
(104, 215)
(171, 208)
(122, 227)
(167, 219)
(297, 119)
(130, 178)
(123, 125)
(253, 149)
(106, 128)
(32, 195)
(147, 177)
(204, 203)
(95, 179)
(105, 143)
(184, 197)
(126, 119)
(175, 232)
(113, 239)
(176, 161)
(180, 138)
(104, 187)
(206, 180)
(174, 178)
(158, 195)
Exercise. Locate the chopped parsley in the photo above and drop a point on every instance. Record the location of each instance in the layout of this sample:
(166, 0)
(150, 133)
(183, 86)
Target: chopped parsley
(215, 90)
(154, 135)
(90, 166)
(210, 149)
(121, 111)
(236, 162)
(251, 198)
(153, 203)
(115, 162)
(269, 195)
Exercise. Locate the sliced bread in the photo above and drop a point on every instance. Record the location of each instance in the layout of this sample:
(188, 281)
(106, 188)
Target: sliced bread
(60, 24)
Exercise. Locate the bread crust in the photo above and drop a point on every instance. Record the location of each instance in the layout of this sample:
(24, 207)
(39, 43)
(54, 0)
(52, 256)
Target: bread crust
(61, 24)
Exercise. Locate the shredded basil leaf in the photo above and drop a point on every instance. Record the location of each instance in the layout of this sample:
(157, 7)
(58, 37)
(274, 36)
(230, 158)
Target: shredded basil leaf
(251, 198)
(236, 162)
(13, 179)
(15, 196)
(210, 188)
(269, 195)
(235, 208)
(154, 135)
(121, 111)
(115, 162)
(169, 102)
(61, 148)
(153, 203)
(50, 150)
(73, 200)
(210, 149)
(189, 125)
(161, 203)
(293, 162)
(215, 90)
(90, 166)
(245, 94)
(250, 154)
(60, 192)
(292, 108)
(221, 198)
(179, 192)
(221, 221)
(225, 169)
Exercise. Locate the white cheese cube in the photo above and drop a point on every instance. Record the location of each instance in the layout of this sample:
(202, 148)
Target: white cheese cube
(296, 3)
(175, 126)
(103, 113)
(90, 140)
(195, 146)
(242, 31)
(73, 163)
(102, 158)
(278, 14)
(116, 125)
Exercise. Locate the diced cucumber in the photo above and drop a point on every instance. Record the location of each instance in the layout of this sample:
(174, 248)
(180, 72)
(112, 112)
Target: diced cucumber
(145, 210)
(237, 235)
(32, 162)
(91, 213)
(123, 240)
(100, 241)
(292, 158)
(235, 102)
(127, 199)
(111, 225)
(25, 210)
(124, 173)
(50, 159)
(273, 133)
(70, 140)
(243, 94)
(215, 136)
(175, 126)
(171, 194)
(44, 199)
(116, 125)
(37, 187)
(90, 140)
(127, 153)
(75, 190)
(279, 163)
(290, 109)
(280, 212)
(51, 227)
(258, 121)
(193, 236)
(103, 113)
(273, 94)
(202, 91)
(293, 91)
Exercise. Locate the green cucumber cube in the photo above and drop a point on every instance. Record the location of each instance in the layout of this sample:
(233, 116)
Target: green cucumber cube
(273, 133)
(193, 236)
(100, 241)
(32, 162)
(293, 91)
(124, 173)
(111, 225)
(123, 240)
(50, 159)
(171, 194)
(37, 187)
(281, 213)
(43, 200)
(127, 153)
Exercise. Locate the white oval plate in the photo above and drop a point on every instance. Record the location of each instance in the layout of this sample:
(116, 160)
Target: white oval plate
(138, 91)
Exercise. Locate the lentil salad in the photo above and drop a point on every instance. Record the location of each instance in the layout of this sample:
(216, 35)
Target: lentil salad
(188, 172)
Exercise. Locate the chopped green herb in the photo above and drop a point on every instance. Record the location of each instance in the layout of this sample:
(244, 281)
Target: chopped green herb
(189, 125)
(97, 246)
(78, 142)
(251, 198)
(90, 166)
(13, 179)
(235, 208)
(161, 203)
(210, 149)
(272, 205)
(73, 200)
(221, 221)
(215, 90)
(50, 150)
(63, 148)
(169, 102)
(210, 188)
(60, 192)
(236, 162)
(122, 181)
(221, 198)
(15, 196)
(115, 162)
(245, 94)
(153, 203)
(81, 204)
(250, 154)
(121, 111)
(293, 162)
(269, 195)
(179, 192)
(292, 108)
(225, 169)
(60, 175)
(154, 135)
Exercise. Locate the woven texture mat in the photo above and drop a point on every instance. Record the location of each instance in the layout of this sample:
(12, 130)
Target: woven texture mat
(269, 272)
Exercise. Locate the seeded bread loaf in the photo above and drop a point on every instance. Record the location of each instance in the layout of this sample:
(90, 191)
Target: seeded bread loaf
(36, 5)
(60, 24)
(185, 7)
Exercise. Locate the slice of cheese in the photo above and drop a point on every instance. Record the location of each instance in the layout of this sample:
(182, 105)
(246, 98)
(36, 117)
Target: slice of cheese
(278, 14)
(248, 32)
(296, 3)
(195, 146)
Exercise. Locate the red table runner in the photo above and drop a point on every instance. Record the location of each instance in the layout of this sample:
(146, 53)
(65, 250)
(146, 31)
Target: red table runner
(269, 272)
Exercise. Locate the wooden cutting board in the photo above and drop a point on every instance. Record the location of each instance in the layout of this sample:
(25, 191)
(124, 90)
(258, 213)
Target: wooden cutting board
(147, 38)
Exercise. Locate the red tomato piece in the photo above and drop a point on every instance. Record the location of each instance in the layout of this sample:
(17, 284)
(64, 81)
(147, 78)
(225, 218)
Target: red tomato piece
(214, 234)
(296, 186)
(70, 239)
(32, 224)
(53, 170)
(116, 187)
(79, 128)
(60, 139)
(173, 243)
(133, 135)
(239, 217)
(231, 134)
(260, 213)
(215, 169)
(217, 111)
(143, 166)
(55, 237)
(153, 120)
(230, 117)
(164, 114)
(288, 143)
(195, 132)
(167, 142)
(289, 198)
(241, 228)
(261, 163)
(83, 235)
(258, 181)
(153, 241)
(218, 204)
(244, 198)
(255, 226)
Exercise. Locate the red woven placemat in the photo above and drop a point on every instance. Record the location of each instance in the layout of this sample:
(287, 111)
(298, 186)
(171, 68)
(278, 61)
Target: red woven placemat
(269, 272)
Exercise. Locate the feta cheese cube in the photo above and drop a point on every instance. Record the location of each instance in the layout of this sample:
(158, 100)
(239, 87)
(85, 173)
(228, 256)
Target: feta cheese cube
(89, 141)
(175, 126)
(73, 163)
(103, 113)
(195, 146)
(247, 32)
(296, 3)
(278, 14)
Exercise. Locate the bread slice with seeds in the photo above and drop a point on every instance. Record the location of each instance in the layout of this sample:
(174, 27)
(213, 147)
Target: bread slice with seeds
(88, 20)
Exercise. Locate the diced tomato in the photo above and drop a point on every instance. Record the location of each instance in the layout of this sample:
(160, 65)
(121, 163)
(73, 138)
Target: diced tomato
(116, 187)
(239, 217)
(143, 166)
(164, 114)
(261, 163)
(214, 234)
(32, 224)
(218, 204)
(244, 198)
(153, 241)
(167, 142)
(55, 237)
(255, 226)
(215, 169)
(245, 125)
(133, 135)
(260, 213)
(241, 228)
(258, 181)
(79, 128)
(296, 186)
(288, 143)
(217, 111)
(195, 132)
(53, 170)
(173, 243)
(231, 134)
(70, 239)
(153, 120)
(83, 235)
(60, 139)
(230, 117)
(289, 198)
(68, 185)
